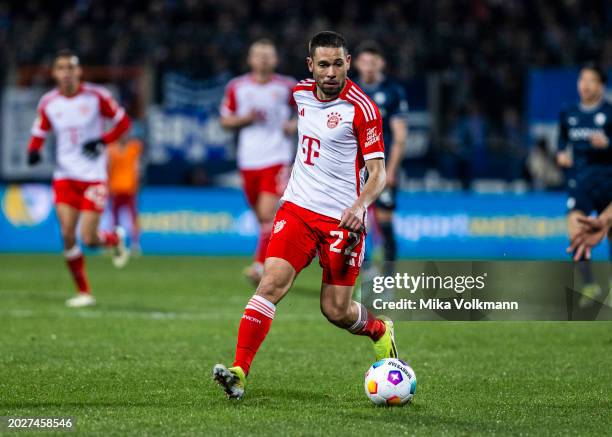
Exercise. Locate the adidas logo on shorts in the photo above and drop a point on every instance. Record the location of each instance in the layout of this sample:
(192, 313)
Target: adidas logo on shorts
(278, 226)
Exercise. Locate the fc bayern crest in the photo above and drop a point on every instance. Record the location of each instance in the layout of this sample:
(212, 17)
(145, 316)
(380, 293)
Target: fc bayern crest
(333, 119)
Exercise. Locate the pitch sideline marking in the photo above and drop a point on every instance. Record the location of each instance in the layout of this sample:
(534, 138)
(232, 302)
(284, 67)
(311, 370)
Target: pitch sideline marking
(147, 315)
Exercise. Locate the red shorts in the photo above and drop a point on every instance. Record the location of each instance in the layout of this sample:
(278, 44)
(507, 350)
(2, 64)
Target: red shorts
(299, 235)
(264, 180)
(82, 195)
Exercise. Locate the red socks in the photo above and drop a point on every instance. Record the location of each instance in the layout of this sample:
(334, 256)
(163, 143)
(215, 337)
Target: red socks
(257, 319)
(254, 327)
(108, 238)
(368, 324)
(262, 244)
(76, 265)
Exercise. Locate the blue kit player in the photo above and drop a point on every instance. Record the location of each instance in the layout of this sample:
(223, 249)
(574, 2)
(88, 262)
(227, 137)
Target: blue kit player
(391, 100)
(585, 150)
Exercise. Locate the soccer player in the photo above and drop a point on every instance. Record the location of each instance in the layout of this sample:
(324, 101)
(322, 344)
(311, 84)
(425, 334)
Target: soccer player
(123, 175)
(75, 111)
(259, 105)
(325, 203)
(391, 100)
(586, 129)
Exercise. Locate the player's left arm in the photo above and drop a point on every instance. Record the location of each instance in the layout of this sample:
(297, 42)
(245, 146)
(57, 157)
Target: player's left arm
(368, 130)
(353, 218)
(110, 109)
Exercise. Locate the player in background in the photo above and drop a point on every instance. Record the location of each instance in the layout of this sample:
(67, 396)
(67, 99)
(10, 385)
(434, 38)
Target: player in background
(324, 209)
(123, 183)
(75, 111)
(259, 105)
(584, 148)
(391, 100)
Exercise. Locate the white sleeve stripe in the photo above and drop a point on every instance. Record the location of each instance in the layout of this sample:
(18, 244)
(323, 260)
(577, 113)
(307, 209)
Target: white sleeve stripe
(38, 132)
(356, 103)
(369, 115)
(225, 111)
(373, 155)
(366, 101)
(363, 109)
(119, 115)
(302, 92)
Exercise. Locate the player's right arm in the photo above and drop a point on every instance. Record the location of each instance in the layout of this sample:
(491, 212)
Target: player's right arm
(40, 129)
(290, 126)
(229, 106)
(564, 158)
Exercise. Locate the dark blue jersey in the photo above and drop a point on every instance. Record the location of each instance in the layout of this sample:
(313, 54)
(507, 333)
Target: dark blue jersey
(390, 98)
(577, 125)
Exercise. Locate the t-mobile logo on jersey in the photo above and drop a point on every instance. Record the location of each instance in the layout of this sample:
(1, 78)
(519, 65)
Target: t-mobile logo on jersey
(309, 148)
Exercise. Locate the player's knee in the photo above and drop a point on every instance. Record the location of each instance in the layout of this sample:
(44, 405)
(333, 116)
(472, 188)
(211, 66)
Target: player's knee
(69, 239)
(335, 312)
(89, 239)
(272, 287)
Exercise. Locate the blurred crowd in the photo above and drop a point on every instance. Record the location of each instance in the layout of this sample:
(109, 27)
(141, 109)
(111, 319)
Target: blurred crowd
(480, 49)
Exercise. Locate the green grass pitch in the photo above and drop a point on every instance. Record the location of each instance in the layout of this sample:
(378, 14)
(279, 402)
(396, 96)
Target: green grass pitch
(140, 362)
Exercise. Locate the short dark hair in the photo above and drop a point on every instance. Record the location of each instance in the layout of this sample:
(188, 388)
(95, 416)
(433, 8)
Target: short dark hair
(603, 76)
(370, 46)
(65, 53)
(327, 38)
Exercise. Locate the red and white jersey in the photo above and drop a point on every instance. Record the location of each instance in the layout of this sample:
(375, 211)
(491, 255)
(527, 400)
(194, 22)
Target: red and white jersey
(263, 143)
(335, 138)
(75, 120)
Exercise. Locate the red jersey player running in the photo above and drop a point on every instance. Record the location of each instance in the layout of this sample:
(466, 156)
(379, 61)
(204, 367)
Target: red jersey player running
(260, 106)
(325, 203)
(76, 112)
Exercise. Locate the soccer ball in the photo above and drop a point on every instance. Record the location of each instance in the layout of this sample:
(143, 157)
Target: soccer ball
(390, 382)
